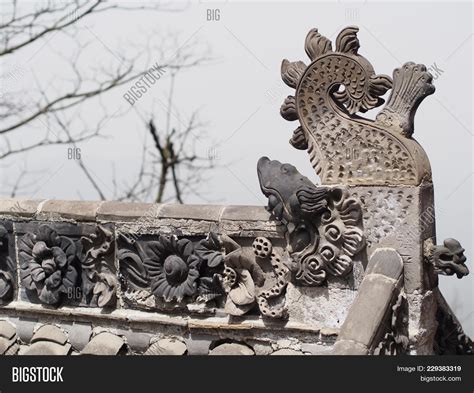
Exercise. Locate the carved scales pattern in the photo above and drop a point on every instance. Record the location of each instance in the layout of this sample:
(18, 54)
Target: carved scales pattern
(345, 148)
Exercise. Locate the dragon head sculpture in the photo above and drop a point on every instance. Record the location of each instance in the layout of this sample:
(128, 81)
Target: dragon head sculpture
(448, 259)
(291, 196)
(321, 223)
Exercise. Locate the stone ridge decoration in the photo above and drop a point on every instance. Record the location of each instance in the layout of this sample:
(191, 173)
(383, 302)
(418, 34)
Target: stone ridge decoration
(241, 278)
(54, 268)
(7, 269)
(173, 268)
(177, 272)
(47, 264)
(245, 282)
(170, 269)
(395, 341)
(99, 282)
(323, 225)
(343, 147)
(448, 259)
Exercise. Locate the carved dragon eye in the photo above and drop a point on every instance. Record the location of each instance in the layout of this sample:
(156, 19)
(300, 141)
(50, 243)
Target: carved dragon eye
(446, 257)
(287, 168)
(460, 258)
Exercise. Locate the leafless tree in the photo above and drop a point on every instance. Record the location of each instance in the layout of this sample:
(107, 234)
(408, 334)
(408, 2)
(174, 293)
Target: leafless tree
(47, 115)
(171, 167)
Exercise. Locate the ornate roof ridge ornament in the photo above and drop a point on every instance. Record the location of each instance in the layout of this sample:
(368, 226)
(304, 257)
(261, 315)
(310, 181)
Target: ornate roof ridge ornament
(322, 225)
(345, 148)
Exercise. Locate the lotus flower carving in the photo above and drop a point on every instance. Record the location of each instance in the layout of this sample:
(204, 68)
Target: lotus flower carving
(173, 268)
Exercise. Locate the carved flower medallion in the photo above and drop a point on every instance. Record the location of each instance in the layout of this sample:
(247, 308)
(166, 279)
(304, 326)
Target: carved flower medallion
(46, 264)
(172, 267)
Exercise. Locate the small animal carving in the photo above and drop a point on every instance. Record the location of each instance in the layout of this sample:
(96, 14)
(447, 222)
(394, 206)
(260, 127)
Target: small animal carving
(448, 259)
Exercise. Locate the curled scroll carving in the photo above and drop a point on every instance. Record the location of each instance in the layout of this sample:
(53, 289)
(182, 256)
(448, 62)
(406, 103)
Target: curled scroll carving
(99, 284)
(133, 274)
(331, 90)
(245, 283)
(323, 225)
(241, 278)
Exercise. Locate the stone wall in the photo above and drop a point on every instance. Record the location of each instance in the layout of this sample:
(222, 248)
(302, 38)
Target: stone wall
(137, 319)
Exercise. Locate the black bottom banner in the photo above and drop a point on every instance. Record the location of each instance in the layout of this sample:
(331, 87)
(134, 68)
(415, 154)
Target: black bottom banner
(206, 374)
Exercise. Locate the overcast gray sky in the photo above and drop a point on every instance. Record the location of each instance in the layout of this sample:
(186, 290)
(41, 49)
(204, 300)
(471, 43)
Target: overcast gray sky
(239, 93)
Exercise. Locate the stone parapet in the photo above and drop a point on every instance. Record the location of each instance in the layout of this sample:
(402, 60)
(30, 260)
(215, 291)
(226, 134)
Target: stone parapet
(101, 241)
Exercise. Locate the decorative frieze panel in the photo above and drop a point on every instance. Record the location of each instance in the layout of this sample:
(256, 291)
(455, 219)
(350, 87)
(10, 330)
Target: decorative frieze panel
(68, 269)
(164, 270)
(168, 272)
(48, 265)
(99, 278)
(85, 265)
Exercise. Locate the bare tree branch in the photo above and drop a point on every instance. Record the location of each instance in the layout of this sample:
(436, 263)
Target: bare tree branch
(48, 116)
